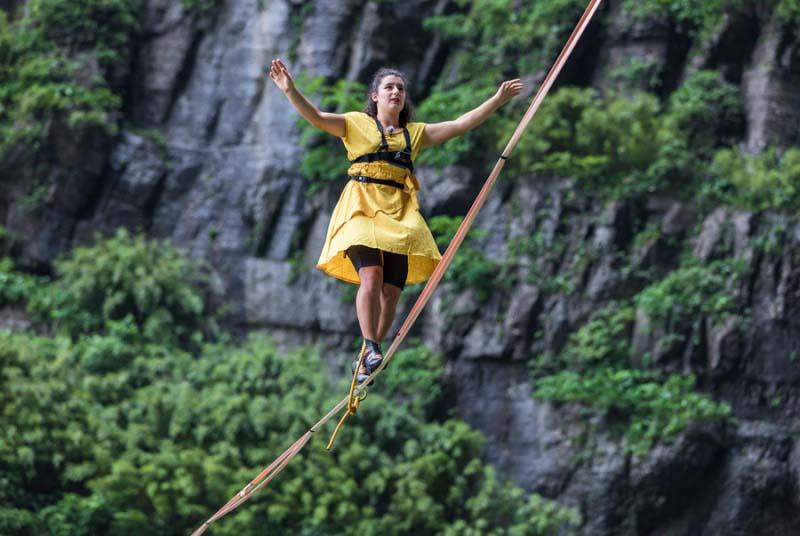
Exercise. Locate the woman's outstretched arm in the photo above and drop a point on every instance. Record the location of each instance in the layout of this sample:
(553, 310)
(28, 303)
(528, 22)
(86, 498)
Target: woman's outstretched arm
(438, 133)
(330, 123)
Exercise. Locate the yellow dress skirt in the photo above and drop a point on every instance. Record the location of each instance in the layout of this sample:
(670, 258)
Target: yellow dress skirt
(381, 217)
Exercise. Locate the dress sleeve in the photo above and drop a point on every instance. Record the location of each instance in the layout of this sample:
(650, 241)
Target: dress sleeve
(416, 131)
(356, 136)
(348, 125)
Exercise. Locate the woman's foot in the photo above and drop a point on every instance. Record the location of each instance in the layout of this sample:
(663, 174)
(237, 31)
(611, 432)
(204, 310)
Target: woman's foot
(374, 356)
(363, 373)
(372, 360)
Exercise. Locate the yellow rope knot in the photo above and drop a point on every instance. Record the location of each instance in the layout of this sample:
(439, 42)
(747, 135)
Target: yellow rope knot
(354, 400)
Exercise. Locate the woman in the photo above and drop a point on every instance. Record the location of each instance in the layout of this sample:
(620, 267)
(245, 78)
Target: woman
(377, 237)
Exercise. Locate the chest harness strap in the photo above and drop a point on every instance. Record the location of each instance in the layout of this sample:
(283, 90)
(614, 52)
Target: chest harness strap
(395, 158)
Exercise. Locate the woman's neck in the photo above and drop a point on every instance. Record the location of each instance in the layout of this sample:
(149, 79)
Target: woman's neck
(389, 120)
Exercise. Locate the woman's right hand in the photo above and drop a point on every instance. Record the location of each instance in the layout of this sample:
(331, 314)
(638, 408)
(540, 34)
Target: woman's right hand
(330, 123)
(280, 75)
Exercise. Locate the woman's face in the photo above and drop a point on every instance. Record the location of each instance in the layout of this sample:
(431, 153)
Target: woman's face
(391, 94)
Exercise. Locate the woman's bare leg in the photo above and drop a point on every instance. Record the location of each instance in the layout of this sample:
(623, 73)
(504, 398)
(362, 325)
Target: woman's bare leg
(368, 303)
(390, 295)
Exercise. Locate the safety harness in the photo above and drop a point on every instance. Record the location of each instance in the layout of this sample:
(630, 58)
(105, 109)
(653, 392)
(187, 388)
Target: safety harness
(383, 154)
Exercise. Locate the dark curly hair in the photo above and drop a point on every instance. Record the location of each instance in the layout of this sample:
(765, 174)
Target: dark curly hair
(371, 108)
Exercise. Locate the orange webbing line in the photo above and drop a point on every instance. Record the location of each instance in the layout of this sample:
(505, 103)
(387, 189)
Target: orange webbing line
(258, 482)
(275, 467)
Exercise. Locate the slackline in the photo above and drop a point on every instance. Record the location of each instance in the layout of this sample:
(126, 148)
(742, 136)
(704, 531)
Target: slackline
(281, 461)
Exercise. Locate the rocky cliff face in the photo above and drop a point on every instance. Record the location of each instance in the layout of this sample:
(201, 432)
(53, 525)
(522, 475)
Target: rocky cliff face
(225, 184)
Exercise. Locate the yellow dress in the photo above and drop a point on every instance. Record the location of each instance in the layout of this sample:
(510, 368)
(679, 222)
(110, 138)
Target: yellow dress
(377, 215)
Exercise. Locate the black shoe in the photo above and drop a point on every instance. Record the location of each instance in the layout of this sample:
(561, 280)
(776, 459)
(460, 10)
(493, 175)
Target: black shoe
(361, 378)
(372, 360)
(374, 356)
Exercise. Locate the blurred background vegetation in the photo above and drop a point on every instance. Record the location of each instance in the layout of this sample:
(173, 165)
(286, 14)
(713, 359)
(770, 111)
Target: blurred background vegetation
(128, 411)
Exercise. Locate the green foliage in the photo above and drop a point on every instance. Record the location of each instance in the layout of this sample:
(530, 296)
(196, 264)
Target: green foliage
(594, 370)
(49, 66)
(324, 160)
(702, 18)
(697, 17)
(789, 10)
(646, 237)
(706, 111)
(649, 407)
(546, 260)
(603, 340)
(126, 278)
(44, 419)
(74, 515)
(626, 146)
(497, 39)
(470, 268)
(6, 239)
(619, 146)
(771, 239)
(495, 31)
(158, 444)
(201, 8)
(102, 26)
(14, 522)
(636, 73)
(605, 142)
(38, 86)
(445, 104)
(692, 290)
(115, 429)
(761, 182)
(14, 285)
(298, 13)
(414, 378)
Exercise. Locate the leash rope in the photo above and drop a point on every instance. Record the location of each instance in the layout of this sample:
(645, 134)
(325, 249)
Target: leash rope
(353, 400)
(358, 392)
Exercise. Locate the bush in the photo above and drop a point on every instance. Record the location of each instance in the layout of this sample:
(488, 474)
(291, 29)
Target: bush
(115, 429)
(446, 104)
(641, 406)
(496, 41)
(607, 142)
(491, 32)
(15, 287)
(184, 433)
(624, 146)
(103, 26)
(707, 112)
(701, 18)
(127, 277)
(762, 182)
(44, 61)
(690, 291)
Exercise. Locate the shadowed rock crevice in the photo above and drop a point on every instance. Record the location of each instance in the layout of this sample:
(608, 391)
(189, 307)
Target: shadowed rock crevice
(184, 75)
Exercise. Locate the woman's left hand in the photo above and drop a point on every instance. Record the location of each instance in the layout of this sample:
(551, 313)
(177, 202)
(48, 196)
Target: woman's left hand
(508, 89)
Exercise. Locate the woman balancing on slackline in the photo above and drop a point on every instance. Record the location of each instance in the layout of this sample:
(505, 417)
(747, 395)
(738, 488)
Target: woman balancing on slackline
(377, 237)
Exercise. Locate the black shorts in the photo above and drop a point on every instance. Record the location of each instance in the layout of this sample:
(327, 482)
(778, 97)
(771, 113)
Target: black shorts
(395, 266)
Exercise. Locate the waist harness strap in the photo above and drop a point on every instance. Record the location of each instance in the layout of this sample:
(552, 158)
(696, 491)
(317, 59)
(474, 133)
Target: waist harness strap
(385, 182)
